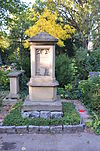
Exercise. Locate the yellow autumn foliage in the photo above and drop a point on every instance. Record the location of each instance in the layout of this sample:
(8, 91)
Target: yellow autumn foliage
(48, 22)
(3, 43)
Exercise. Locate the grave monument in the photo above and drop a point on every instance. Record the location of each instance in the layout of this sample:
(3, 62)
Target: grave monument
(43, 100)
(13, 96)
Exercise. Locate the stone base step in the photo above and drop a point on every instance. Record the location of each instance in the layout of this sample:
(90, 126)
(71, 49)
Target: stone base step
(42, 106)
(42, 114)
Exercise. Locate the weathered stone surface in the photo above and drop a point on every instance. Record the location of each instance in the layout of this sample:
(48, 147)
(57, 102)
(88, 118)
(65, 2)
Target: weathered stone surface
(42, 84)
(43, 37)
(56, 114)
(7, 129)
(10, 129)
(33, 129)
(77, 128)
(56, 129)
(41, 105)
(21, 129)
(44, 129)
(67, 128)
(42, 114)
(2, 129)
(13, 96)
(15, 73)
(35, 114)
(8, 101)
(25, 114)
(45, 114)
(73, 128)
(81, 127)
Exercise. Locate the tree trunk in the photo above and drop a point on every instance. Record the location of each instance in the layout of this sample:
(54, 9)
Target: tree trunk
(90, 42)
(84, 43)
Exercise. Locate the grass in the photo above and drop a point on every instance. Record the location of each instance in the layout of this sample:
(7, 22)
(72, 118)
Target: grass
(70, 117)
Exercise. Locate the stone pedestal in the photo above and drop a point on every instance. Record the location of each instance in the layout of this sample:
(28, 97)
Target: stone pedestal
(42, 84)
(13, 96)
(39, 105)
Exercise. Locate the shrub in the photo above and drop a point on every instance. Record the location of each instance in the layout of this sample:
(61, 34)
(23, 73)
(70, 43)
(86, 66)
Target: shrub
(4, 80)
(94, 124)
(87, 62)
(26, 66)
(91, 93)
(95, 60)
(70, 91)
(64, 69)
(3, 94)
(83, 64)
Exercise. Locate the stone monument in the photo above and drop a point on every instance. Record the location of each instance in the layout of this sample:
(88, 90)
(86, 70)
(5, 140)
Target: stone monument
(42, 100)
(13, 96)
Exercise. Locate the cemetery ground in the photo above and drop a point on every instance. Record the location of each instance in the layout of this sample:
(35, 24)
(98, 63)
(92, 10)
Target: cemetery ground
(50, 49)
(11, 116)
(70, 117)
(84, 141)
(47, 142)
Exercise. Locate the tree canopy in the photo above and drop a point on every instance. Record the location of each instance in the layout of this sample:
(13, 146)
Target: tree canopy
(47, 21)
(71, 21)
(83, 15)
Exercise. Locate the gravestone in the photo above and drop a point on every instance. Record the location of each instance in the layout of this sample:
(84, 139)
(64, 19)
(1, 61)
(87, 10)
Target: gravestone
(42, 84)
(13, 96)
(94, 74)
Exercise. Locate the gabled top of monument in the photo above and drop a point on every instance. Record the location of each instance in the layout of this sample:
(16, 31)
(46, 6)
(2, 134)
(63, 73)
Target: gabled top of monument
(43, 37)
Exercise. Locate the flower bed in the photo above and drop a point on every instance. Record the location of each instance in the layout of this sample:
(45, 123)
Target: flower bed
(70, 117)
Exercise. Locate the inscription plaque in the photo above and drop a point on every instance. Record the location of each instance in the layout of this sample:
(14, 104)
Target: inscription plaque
(42, 62)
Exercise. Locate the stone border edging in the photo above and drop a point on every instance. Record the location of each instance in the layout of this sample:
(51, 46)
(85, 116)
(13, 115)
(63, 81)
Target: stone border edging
(31, 129)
